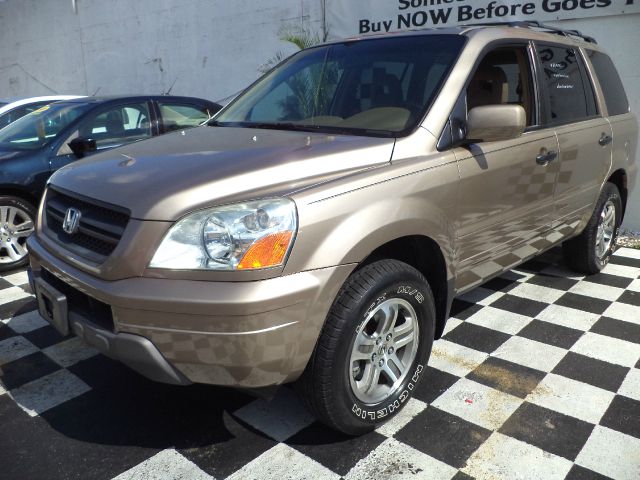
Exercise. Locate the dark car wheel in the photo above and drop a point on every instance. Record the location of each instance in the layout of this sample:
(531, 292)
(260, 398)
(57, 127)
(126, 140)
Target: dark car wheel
(373, 348)
(590, 251)
(16, 224)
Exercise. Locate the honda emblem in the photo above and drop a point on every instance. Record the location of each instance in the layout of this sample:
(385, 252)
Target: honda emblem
(71, 221)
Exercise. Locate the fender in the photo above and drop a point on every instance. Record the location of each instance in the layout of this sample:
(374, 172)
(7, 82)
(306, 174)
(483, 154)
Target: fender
(346, 228)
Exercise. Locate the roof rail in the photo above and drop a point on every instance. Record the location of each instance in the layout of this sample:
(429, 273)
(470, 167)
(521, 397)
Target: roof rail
(538, 25)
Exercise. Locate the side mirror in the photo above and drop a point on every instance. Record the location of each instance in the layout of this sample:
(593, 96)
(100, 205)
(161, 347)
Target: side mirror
(491, 123)
(82, 146)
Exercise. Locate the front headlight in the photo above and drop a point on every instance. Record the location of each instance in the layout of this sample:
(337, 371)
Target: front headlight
(242, 236)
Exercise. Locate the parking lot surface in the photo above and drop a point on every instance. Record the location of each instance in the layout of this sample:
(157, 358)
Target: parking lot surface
(537, 376)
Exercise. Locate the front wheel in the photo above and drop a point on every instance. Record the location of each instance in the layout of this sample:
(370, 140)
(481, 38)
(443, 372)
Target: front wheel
(591, 251)
(373, 348)
(16, 224)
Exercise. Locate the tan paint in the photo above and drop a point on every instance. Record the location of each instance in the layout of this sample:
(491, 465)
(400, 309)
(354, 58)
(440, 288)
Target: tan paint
(493, 123)
(506, 199)
(584, 166)
(488, 206)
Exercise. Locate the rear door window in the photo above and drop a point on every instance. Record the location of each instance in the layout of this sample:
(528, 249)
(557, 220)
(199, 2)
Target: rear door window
(176, 116)
(610, 82)
(569, 92)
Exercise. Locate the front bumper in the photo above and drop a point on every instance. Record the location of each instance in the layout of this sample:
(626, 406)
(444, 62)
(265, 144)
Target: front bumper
(242, 334)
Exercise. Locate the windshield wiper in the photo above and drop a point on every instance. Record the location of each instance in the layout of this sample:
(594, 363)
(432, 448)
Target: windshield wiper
(303, 127)
(266, 125)
(280, 126)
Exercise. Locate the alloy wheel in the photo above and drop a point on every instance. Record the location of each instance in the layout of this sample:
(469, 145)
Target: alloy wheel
(606, 229)
(385, 347)
(15, 226)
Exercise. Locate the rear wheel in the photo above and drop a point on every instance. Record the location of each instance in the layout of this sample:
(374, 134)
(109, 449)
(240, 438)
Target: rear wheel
(374, 346)
(591, 251)
(16, 224)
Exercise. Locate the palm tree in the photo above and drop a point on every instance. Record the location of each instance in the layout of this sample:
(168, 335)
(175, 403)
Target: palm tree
(309, 86)
(296, 35)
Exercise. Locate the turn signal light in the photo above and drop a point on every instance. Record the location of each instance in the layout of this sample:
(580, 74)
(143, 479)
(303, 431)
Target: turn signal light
(267, 251)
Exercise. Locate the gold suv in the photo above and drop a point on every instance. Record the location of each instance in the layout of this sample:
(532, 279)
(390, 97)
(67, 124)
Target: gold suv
(319, 227)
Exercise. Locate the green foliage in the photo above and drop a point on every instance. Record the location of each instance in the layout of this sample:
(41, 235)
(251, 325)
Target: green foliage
(313, 87)
(298, 36)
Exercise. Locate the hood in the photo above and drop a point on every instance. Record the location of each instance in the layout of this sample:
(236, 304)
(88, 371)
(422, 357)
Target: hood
(168, 176)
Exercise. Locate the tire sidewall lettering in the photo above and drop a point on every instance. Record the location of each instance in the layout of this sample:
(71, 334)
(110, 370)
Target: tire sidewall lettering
(411, 292)
(381, 298)
(413, 289)
(414, 295)
(380, 413)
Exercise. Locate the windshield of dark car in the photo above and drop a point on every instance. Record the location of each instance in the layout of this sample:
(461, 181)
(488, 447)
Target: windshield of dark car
(371, 87)
(37, 129)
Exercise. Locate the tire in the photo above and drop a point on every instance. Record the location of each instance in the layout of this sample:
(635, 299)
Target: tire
(342, 366)
(591, 251)
(17, 219)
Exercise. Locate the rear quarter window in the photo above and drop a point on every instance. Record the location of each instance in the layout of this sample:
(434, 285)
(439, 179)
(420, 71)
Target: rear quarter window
(610, 82)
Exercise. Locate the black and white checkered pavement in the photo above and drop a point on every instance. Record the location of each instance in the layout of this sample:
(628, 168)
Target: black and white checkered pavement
(537, 376)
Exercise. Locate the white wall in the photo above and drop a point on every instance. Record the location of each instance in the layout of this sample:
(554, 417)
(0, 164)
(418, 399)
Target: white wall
(209, 48)
(620, 36)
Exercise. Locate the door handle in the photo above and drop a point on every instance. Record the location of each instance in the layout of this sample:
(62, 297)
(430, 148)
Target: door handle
(605, 140)
(545, 158)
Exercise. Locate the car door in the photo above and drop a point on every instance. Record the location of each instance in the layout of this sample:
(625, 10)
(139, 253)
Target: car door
(114, 125)
(505, 198)
(584, 135)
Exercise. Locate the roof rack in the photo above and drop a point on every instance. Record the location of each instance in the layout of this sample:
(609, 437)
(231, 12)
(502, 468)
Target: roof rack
(538, 25)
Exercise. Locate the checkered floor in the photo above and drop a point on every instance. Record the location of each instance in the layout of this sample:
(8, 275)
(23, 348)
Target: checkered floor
(538, 376)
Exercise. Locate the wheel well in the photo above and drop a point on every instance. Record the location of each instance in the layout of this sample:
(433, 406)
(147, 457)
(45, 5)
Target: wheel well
(424, 254)
(16, 192)
(619, 179)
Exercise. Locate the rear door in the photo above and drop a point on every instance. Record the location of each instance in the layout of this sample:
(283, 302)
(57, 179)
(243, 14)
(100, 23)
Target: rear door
(505, 202)
(584, 135)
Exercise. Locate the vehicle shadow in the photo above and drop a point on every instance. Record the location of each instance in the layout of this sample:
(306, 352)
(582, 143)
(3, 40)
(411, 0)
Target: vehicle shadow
(124, 408)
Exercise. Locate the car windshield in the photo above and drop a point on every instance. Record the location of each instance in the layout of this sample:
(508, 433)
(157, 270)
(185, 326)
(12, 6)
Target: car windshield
(37, 129)
(379, 87)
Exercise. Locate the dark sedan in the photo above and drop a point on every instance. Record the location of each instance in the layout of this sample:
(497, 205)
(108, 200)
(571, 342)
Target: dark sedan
(35, 146)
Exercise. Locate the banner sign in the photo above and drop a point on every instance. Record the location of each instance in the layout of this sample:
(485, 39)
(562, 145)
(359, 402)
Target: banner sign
(347, 18)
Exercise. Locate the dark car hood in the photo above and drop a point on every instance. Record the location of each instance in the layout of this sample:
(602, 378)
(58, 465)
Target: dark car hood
(166, 177)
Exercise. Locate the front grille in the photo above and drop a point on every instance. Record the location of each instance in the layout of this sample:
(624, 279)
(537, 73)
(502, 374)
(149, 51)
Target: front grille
(81, 304)
(100, 229)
